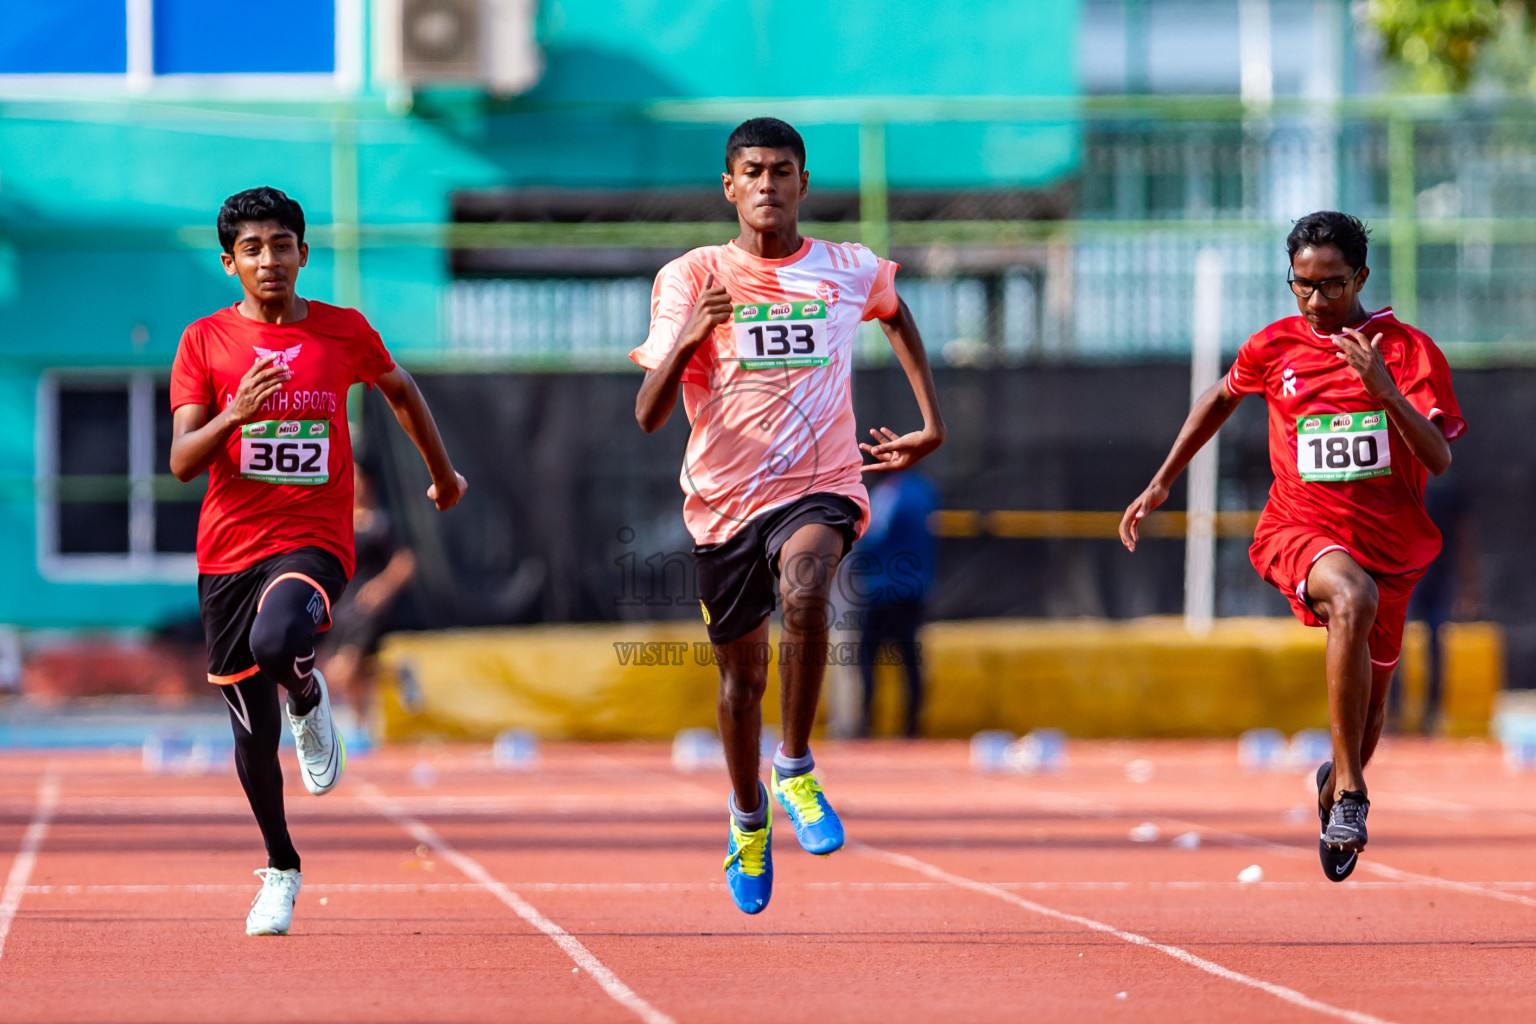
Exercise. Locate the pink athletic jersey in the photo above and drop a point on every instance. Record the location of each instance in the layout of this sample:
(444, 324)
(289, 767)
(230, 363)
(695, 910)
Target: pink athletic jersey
(770, 394)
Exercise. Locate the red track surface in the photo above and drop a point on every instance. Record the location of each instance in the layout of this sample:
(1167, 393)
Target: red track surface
(964, 897)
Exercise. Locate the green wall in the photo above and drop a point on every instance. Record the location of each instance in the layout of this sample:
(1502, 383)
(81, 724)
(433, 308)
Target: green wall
(600, 50)
(107, 248)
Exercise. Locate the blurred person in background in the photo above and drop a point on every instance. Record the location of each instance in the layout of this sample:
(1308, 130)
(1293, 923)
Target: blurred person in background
(1447, 592)
(385, 569)
(11, 660)
(888, 579)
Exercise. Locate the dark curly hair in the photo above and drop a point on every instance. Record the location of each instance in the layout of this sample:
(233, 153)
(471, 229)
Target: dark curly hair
(768, 132)
(254, 205)
(1330, 227)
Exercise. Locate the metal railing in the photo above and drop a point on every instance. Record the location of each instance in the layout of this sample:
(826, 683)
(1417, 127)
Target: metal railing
(1448, 188)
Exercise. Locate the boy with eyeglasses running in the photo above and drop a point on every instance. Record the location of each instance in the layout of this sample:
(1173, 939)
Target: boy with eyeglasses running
(1360, 410)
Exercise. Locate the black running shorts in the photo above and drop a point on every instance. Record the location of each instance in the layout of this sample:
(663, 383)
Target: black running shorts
(738, 579)
(230, 601)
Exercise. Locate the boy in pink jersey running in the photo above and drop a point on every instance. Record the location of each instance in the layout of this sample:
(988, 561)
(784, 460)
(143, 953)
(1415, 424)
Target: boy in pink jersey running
(760, 332)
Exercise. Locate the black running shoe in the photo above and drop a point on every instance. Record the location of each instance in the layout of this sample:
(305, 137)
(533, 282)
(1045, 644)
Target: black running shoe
(1346, 822)
(1337, 864)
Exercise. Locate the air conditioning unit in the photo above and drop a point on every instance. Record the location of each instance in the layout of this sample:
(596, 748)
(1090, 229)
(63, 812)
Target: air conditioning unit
(489, 42)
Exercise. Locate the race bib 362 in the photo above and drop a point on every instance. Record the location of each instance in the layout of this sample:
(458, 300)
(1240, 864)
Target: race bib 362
(286, 451)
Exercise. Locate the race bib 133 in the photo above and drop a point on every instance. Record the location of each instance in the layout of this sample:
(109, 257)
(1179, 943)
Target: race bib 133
(778, 334)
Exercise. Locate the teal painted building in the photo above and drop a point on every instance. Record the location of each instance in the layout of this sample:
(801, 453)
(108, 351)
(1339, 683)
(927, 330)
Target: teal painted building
(118, 144)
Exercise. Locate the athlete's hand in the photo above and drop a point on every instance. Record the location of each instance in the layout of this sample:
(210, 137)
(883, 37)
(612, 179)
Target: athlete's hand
(711, 309)
(446, 494)
(260, 382)
(1364, 357)
(1150, 499)
(897, 452)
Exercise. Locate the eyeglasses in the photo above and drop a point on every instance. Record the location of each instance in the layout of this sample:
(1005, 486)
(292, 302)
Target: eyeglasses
(1331, 288)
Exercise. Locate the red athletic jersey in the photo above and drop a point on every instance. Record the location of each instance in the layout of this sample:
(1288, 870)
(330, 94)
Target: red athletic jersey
(1339, 466)
(285, 481)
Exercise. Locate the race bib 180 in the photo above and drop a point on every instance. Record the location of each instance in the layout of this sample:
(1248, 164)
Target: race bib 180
(778, 334)
(1342, 446)
(286, 451)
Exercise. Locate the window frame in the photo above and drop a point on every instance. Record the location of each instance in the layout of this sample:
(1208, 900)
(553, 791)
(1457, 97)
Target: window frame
(139, 78)
(141, 563)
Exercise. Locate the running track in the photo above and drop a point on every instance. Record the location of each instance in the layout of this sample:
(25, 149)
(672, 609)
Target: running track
(590, 890)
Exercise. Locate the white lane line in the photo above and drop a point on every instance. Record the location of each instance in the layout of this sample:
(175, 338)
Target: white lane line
(26, 854)
(1364, 864)
(1473, 888)
(322, 888)
(1429, 804)
(583, 958)
(638, 804)
(1375, 867)
(1414, 803)
(1095, 808)
(1288, 995)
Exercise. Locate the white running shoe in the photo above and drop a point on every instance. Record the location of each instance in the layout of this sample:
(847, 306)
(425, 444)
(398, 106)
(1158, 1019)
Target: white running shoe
(322, 755)
(272, 909)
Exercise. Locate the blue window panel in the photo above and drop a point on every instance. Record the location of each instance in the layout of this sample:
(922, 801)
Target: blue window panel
(63, 37)
(238, 37)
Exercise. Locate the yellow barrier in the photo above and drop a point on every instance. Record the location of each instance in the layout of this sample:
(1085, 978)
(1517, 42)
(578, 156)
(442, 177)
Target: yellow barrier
(1039, 524)
(1147, 677)
(1471, 674)
(588, 682)
(1142, 678)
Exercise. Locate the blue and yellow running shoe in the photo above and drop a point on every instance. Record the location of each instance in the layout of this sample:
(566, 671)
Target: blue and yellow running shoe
(816, 823)
(749, 866)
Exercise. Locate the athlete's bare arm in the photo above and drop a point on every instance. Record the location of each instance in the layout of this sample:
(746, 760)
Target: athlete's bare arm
(398, 574)
(658, 394)
(196, 439)
(1423, 438)
(893, 451)
(404, 398)
(1207, 415)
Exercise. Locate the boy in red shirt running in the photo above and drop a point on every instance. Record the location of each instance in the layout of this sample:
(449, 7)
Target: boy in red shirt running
(259, 400)
(1360, 409)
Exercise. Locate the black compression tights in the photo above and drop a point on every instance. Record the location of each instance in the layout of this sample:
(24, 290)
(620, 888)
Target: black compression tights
(257, 721)
(283, 642)
(283, 639)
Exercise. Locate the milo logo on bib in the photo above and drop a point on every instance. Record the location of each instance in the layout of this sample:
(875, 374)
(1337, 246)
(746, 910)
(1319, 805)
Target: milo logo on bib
(781, 334)
(1343, 446)
(286, 452)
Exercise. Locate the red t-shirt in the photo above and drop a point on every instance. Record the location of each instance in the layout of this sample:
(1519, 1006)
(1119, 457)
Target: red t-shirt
(1339, 463)
(285, 481)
